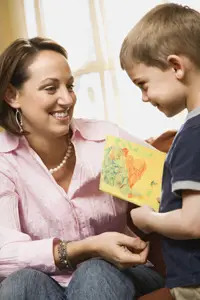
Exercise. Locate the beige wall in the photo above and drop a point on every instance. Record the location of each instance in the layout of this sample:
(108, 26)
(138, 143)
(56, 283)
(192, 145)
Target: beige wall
(12, 22)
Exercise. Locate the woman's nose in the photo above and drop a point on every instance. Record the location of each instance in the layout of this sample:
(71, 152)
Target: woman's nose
(65, 98)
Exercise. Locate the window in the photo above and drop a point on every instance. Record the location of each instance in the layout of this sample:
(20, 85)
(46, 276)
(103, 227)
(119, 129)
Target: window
(92, 32)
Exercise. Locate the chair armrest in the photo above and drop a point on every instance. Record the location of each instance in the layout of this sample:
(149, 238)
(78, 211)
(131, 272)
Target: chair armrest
(155, 253)
(161, 294)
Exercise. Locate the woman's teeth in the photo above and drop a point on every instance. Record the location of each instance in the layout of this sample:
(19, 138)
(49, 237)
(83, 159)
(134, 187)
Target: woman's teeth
(60, 115)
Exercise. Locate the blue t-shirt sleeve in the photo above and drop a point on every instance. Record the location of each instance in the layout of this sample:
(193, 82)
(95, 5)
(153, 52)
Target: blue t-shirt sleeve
(185, 161)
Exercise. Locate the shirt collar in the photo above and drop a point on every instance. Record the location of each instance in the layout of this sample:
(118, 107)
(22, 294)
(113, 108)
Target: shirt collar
(193, 113)
(92, 130)
(8, 141)
(89, 130)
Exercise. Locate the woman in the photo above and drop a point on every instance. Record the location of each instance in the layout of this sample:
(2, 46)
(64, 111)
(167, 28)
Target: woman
(60, 237)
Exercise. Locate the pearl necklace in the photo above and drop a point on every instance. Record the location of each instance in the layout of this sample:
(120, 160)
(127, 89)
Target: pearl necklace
(67, 155)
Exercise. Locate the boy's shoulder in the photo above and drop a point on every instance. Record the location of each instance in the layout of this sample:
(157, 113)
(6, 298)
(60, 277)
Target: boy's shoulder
(186, 141)
(190, 130)
(193, 119)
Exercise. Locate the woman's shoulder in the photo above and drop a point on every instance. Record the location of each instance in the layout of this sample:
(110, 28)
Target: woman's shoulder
(95, 129)
(94, 122)
(99, 129)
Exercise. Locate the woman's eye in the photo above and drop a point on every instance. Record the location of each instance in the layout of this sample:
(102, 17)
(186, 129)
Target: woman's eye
(50, 89)
(70, 87)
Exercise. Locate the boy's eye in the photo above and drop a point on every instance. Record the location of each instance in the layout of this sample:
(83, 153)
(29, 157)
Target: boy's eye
(142, 85)
(70, 87)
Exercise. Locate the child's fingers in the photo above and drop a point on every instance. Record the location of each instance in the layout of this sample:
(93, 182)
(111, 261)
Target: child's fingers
(158, 199)
(150, 140)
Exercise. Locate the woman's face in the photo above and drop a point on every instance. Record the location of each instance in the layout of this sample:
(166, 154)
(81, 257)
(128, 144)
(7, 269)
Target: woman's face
(47, 98)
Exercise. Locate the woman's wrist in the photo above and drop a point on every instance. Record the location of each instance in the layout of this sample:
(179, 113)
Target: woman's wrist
(56, 242)
(77, 251)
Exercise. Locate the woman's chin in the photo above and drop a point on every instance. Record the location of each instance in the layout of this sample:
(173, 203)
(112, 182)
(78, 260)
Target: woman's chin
(60, 131)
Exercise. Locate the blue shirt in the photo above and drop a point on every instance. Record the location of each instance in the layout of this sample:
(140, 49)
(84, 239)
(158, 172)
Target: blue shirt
(182, 172)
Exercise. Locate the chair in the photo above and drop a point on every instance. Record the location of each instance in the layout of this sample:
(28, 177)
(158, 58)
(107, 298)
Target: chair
(161, 294)
(162, 143)
(156, 258)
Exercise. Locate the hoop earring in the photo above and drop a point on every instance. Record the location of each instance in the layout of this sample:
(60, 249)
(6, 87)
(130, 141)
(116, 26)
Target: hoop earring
(18, 118)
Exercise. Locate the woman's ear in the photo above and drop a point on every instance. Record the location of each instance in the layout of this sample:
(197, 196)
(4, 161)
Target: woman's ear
(177, 64)
(11, 96)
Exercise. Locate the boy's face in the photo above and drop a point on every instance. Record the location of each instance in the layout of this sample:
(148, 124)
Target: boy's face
(161, 88)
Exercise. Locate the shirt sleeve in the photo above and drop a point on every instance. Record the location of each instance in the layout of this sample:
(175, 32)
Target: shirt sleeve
(185, 161)
(17, 249)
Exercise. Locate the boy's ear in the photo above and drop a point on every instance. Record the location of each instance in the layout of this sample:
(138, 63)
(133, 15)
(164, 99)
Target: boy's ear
(176, 62)
(11, 96)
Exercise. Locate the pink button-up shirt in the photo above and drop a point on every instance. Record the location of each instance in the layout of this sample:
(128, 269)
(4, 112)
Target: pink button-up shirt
(34, 209)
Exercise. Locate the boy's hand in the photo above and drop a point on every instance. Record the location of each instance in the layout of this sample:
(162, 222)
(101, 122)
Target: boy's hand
(141, 218)
(164, 141)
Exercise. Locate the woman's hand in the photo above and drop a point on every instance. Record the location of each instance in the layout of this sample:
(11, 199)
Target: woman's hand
(121, 250)
(141, 218)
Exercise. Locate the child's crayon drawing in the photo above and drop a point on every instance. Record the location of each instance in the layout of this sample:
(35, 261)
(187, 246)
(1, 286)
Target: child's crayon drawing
(132, 172)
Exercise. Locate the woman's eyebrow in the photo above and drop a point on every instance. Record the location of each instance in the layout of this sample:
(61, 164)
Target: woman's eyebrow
(56, 80)
(49, 78)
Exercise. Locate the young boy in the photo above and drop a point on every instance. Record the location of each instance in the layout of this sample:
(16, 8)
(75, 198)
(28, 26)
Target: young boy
(161, 55)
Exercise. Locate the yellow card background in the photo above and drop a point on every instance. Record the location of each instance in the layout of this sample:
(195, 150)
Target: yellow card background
(132, 172)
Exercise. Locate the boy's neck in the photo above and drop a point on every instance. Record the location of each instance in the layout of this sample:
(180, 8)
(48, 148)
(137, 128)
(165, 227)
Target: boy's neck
(193, 95)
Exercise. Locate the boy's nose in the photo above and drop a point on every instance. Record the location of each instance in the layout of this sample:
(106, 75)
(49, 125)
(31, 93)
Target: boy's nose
(145, 97)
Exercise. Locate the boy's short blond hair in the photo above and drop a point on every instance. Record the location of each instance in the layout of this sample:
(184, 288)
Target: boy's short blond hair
(166, 29)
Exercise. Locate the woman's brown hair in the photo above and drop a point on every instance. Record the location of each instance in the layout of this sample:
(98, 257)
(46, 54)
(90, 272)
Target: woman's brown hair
(14, 63)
